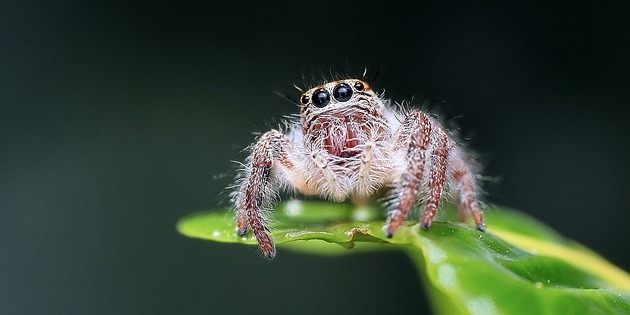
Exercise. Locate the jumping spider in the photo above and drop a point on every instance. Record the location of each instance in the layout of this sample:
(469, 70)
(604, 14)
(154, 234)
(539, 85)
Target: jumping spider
(350, 143)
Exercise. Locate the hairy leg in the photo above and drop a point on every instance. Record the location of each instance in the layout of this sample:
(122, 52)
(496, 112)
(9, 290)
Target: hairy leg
(373, 169)
(465, 186)
(271, 154)
(364, 184)
(437, 177)
(328, 183)
(413, 137)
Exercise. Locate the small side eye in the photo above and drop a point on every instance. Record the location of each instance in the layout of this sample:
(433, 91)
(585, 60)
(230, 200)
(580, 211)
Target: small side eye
(305, 99)
(359, 86)
(342, 92)
(321, 98)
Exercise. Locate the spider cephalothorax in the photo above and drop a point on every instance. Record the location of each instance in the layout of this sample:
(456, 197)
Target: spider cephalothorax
(350, 143)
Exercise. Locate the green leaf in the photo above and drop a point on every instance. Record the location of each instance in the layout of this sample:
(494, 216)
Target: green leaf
(519, 266)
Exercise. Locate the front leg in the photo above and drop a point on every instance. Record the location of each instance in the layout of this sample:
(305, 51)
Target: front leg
(412, 139)
(270, 159)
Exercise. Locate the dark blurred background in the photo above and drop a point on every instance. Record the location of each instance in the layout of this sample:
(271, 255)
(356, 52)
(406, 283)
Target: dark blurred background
(119, 118)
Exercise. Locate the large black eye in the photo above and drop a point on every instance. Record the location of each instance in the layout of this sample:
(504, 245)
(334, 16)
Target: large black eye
(359, 86)
(321, 98)
(342, 92)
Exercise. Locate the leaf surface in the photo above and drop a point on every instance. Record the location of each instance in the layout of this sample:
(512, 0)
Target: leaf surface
(519, 266)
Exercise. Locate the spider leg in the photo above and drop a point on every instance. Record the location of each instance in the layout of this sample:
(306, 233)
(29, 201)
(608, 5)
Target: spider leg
(465, 185)
(366, 158)
(437, 177)
(413, 136)
(428, 147)
(333, 187)
(270, 158)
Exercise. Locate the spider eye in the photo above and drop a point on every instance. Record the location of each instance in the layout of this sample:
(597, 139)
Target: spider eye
(359, 86)
(342, 92)
(321, 98)
(305, 99)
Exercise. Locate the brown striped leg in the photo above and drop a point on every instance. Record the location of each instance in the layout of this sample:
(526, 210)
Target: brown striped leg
(241, 220)
(465, 184)
(256, 193)
(437, 178)
(413, 136)
(257, 189)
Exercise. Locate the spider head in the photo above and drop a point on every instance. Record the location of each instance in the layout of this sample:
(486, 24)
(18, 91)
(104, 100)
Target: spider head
(337, 115)
(334, 95)
(341, 98)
